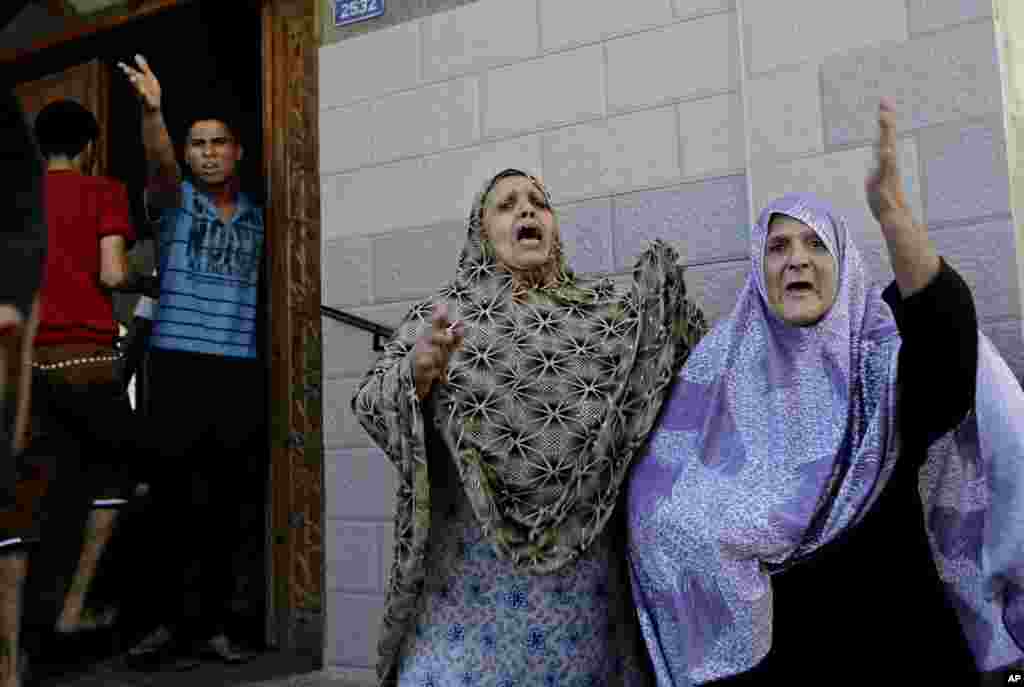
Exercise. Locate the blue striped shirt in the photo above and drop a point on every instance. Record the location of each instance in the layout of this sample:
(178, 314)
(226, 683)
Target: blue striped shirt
(209, 274)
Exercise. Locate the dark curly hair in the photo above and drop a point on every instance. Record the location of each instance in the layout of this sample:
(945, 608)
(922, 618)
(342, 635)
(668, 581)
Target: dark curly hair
(65, 128)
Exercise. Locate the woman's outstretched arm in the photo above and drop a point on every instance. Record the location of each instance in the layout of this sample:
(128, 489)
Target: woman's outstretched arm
(933, 307)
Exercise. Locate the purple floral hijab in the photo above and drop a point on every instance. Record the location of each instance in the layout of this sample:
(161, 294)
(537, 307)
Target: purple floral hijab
(777, 438)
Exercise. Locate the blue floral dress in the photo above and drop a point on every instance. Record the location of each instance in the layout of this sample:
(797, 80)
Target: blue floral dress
(484, 623)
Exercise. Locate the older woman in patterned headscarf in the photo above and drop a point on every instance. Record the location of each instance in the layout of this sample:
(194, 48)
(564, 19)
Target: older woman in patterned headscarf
(512, 431)
(789, 419)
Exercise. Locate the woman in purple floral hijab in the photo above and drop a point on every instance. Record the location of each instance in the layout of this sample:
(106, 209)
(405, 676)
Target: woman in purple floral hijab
(784, 427)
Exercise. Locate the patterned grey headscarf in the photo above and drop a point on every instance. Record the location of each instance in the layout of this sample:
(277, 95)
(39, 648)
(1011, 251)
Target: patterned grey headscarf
(546, 403)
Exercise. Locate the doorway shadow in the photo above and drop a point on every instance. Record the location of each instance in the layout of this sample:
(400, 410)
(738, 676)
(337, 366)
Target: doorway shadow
(275, 668)
(201, 50)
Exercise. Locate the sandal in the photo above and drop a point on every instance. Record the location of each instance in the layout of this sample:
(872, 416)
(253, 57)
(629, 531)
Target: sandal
(220, 648)
(156, 642)
(90, 621)
(159, 651)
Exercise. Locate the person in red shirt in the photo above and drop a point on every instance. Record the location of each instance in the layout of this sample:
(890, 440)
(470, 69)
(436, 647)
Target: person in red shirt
(86, 420)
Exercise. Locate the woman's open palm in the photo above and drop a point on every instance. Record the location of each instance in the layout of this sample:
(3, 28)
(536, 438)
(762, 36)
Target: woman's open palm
(884, 185)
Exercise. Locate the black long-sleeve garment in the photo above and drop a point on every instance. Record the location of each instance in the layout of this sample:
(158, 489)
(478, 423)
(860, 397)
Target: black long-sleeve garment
(22, 245)
(23, 226)
(869, 607)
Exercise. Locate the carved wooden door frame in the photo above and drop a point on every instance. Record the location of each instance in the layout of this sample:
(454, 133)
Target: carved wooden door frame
(291, 45)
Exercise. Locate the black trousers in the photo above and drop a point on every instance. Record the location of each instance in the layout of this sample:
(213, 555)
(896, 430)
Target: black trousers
(207, 415)
(88, 440)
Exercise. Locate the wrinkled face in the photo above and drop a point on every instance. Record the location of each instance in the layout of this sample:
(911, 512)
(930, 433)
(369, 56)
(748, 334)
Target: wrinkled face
(799, 272)
(212, 152)
(519, 223)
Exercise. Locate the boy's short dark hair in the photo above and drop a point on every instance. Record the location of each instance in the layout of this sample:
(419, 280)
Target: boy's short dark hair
(213, 108)
(65, 128)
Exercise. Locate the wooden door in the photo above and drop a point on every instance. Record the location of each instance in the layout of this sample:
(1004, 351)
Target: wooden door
(291, 139)
(87, 83)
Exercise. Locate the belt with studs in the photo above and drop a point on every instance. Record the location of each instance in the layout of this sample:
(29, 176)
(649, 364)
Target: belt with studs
(76, 361)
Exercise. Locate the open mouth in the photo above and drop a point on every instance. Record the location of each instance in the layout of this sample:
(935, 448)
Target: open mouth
(529, 235)
(799, 288)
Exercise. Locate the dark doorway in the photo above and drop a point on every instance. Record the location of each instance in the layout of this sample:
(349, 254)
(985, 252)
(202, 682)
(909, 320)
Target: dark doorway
(201, 50)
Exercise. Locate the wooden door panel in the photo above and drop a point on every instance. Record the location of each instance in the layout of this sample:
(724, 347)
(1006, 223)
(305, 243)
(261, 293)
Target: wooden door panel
(88, 84)
(291, 139)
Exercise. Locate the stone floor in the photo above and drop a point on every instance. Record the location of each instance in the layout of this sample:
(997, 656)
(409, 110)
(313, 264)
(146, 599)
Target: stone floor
(269, 669)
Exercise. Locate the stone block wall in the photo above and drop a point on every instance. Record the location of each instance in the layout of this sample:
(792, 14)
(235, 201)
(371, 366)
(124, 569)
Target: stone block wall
(673, 119)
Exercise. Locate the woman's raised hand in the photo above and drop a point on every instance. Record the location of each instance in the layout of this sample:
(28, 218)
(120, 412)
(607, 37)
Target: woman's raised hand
(912, 254)
(144, 81)
(884, 185)
(433, 349)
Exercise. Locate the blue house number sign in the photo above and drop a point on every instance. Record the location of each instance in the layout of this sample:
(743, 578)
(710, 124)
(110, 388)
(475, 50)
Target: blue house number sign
(351, 11)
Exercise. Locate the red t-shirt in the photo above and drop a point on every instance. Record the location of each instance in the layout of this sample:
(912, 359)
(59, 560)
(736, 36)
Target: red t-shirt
(80, 210)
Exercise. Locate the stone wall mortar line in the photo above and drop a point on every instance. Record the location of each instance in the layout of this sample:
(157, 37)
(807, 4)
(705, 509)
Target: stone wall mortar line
(344, 376)
(990, 19)
(362, 595)
(421, 52)
(922, 177)
(748, 154)
(605, 104)
(357, 519)
(680, 139)
(944, 225)
(985, 119)
(540, 32)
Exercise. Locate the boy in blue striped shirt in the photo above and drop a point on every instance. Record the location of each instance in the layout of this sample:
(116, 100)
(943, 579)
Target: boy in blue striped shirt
(206, 374)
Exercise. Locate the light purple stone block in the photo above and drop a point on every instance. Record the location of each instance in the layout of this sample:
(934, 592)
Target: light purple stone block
(353, 557)
(361, 484)
(936, 79)
(348, 351)
(586, 230)
(386, 542)
(353, 623)
(985, 256)
(1006, 336)
(966, 172)
(417, 262)
(714, 288)
(706, 221)
(932, 15)
(347, 271)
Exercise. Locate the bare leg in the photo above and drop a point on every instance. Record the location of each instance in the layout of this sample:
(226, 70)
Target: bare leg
(12, 564)
(97, 533)
(12, 577)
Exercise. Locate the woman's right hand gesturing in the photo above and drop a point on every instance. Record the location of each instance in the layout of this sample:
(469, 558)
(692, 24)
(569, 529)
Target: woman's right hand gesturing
(145, 83)
(433, 349)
